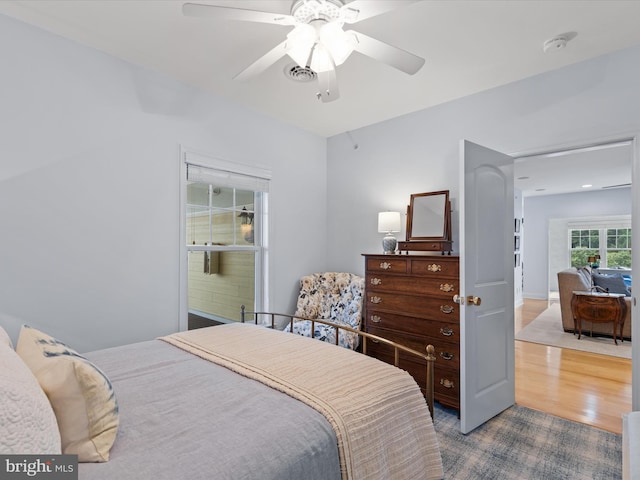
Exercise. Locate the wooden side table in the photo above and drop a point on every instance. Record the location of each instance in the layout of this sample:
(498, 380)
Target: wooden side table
(599, 307)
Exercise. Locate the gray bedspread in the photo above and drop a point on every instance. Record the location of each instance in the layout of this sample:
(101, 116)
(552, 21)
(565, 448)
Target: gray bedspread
(182, 417)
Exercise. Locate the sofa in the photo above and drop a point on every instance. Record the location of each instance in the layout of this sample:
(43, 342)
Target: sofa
(579, 279)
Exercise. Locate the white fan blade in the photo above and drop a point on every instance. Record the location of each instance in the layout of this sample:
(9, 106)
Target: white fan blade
(394, 56)
(328, 84)
(230, 13)
(264, 62)
(359, 10)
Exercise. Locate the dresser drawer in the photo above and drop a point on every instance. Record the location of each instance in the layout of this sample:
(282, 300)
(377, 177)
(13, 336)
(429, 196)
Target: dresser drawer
(389, 263)
(437, 267)
(445, 288)
(413, 305)
(447, 354)
(447, 332)
(446, 381)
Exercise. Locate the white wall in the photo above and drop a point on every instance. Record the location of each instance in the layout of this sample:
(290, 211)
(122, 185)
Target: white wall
(418, 152)
(89, 190)
(540, 268)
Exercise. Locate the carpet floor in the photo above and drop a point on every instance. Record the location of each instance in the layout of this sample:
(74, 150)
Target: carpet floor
(524, 444)
(546, 329)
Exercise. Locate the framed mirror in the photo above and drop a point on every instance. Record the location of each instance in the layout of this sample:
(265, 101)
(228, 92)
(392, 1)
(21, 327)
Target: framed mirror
(427, 216)
(428, 222)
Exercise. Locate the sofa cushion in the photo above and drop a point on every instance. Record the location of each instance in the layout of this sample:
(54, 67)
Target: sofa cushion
(613, 283)
(586, 274)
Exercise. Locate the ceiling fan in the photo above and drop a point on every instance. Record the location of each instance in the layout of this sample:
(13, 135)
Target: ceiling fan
(318, 42)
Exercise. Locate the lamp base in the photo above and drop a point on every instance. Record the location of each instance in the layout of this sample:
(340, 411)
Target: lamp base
(389, 244)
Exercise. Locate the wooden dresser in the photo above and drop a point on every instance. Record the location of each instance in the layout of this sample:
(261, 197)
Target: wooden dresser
(409, 299)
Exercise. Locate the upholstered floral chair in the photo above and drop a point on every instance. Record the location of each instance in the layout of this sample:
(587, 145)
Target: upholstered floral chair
(332, 296)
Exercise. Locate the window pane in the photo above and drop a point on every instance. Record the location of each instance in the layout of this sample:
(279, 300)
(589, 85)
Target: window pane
(220, 293)
(580, 258)
(221, 197)
(619, 258)
(198, 194)
(197, 225)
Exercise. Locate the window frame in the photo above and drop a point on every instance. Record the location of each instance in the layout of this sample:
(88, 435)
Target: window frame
(261, 228)
(602, 225)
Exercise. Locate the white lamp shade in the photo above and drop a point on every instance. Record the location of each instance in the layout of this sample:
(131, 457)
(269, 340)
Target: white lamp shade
(388, 222)
(301, 41)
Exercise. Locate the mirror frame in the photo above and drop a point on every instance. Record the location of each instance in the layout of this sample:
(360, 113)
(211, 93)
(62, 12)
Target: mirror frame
(446, 216)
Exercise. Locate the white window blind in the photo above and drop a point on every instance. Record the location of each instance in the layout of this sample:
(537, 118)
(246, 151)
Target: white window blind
(221, 173)
(222, 178)
(596, 224)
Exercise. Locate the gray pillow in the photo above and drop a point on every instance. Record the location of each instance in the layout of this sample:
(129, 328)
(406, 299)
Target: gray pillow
(612, 283)
(586, 274)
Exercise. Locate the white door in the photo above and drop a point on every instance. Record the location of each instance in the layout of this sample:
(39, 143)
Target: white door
(487, 384)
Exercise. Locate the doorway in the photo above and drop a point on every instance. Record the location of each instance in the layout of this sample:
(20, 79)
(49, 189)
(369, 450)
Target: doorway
(570, 183)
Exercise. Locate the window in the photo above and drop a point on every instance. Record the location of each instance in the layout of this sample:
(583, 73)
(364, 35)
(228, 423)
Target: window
(610, 240)
(619, 247)
(224, 219)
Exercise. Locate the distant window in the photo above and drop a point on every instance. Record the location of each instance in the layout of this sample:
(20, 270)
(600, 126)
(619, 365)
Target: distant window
(618, 251)
(611, 242)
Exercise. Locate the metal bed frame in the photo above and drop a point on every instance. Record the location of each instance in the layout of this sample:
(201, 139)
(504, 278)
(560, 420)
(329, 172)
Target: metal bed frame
(428, 357)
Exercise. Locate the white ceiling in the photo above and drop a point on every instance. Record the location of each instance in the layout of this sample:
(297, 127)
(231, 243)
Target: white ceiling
(590, 168)
(469, 46)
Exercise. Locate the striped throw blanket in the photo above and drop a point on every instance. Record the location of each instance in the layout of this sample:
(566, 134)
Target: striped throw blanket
(380, 417)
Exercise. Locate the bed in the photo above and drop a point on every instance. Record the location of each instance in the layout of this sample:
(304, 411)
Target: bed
(240, 401)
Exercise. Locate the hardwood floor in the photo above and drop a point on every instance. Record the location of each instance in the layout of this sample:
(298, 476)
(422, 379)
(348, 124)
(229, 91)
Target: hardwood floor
(583, 387)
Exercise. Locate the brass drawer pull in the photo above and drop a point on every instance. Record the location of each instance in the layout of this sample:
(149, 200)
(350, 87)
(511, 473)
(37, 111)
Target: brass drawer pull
(376, 281)
(375, 341)
(385, 265)
(446, 355)
(445, 287)
(447, 332)
(376, 300)
(446, 383)
(446, 309)
(434, 268)
(376, 319)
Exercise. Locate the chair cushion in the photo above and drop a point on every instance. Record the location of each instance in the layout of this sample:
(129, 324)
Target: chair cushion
(333, 296)
(613, 283)
(327, 333)
(81, 395)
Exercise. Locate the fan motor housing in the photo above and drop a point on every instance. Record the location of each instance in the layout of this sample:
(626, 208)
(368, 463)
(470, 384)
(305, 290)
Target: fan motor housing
(305, 12)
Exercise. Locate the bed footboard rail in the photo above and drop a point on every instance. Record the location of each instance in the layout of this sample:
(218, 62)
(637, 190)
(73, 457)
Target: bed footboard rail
(429, 357)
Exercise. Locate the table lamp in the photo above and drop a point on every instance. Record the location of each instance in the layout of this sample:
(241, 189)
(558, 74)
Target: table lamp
(389, 223)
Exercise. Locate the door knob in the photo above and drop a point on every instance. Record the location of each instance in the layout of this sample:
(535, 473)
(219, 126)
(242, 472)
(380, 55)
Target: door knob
(471, 300)
(457, 299)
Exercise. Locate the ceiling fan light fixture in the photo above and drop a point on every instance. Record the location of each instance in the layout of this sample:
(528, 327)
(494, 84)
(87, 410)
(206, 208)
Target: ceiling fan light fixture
(300, 43)
(339, 43)
(321, 59)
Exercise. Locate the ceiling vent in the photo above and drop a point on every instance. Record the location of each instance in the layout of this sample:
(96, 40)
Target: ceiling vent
(300, 74)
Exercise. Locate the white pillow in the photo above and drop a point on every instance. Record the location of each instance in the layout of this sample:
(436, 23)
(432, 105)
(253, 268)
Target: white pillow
(27, 422)
(80, 393)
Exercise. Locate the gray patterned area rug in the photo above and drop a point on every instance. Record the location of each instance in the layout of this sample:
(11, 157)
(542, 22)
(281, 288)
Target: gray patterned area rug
(525, 444)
